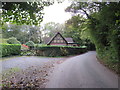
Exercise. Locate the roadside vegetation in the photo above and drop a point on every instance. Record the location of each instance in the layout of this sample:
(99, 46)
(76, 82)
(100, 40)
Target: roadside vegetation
(102, 27)
(55, 51)
(10, 49)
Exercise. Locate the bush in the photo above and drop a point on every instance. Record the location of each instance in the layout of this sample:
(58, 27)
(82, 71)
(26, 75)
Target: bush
(30, 44)
(10, 49)
(13, 40)
(2, 40)
(53, 51)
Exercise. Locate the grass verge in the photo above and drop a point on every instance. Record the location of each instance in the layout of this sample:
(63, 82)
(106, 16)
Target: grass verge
(110, 65)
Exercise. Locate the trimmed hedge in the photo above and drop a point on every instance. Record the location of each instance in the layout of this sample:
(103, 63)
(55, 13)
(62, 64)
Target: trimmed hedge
(10, 49)
(53, 51)
(13, 40)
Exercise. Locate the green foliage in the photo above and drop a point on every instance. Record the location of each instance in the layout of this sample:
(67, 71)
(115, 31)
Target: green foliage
(10, 49)
(105, 32)
(29, 13)
(53, 51)
(51, 28)
(13, 40)
(76, 28)
(35, 34)
(73, 28)
(23, 33)
(103, 29)
(30, 44)
(2, 40)
(44, 45)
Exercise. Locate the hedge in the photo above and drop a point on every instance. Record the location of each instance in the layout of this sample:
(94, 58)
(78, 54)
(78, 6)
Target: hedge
(53, 51)
(13, 40)
(10, 49)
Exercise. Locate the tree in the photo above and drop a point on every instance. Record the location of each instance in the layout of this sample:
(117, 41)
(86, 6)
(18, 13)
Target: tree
(23, 33)
(73, 28)
(103, 28)
(35, 34)
(51, 28)
(29, 13)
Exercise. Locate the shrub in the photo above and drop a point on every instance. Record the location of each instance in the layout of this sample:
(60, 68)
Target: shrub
(2, 40)
(13, 40)
(10, 49)
(30, 44)
(53, 51)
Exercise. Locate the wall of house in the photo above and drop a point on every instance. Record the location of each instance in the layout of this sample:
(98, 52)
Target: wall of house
(72, 45)
(63, 44)
(58, 40)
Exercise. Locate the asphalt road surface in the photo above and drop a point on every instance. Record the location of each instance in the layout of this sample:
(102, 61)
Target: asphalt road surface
(83, 71)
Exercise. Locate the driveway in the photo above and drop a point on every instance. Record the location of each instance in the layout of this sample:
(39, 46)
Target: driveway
(27, 71)
(83, 71)
(24, 62)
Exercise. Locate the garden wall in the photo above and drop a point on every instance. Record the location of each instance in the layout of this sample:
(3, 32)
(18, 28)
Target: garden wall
(9, 49)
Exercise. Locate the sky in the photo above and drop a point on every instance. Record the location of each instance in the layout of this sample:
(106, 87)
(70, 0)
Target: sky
(56, 13)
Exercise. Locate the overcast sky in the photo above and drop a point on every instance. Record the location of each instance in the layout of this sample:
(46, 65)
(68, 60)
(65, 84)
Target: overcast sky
(56, 13)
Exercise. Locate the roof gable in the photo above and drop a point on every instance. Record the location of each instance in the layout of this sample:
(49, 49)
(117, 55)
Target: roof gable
(56, 37)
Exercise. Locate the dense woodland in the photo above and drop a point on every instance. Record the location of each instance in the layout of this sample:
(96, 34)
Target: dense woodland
(99, 25)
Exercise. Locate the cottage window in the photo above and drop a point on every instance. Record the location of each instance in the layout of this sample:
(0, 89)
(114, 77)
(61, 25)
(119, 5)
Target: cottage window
(61, 41)
(55, 41)
(58, 41)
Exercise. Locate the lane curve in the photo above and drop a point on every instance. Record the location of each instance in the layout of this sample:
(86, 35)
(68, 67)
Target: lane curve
(83, 71)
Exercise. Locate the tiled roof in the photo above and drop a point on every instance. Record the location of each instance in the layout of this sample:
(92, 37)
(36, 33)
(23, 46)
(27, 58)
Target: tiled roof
(69, 40)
